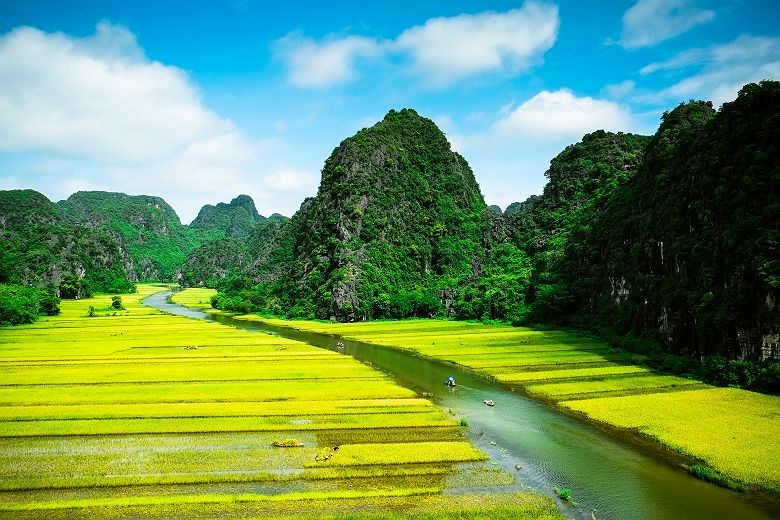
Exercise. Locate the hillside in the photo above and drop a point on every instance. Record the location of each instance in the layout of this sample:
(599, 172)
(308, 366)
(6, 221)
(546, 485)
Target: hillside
(157, 240)
(398, 220)
(581, 180)
(687, 253)
(235, 219)
(40, 246)
(230, 259)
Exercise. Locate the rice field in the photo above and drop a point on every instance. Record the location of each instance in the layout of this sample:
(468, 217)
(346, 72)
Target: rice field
(733, 431)
(141, 414)
(195, 297)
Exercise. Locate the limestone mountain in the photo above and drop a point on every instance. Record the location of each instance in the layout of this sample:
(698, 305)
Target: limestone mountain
(235, 219)
(40, 246)
(398, 220)
(688, 252)
(157, 240)
(215, 261)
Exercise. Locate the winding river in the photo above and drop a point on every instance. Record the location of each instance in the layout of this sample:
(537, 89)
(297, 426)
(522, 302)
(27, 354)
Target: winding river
(610, 476)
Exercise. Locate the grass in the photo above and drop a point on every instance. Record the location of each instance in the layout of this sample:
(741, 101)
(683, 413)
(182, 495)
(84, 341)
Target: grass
(713, 425)
(92, 410)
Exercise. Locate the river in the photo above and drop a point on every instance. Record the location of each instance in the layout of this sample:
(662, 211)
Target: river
(611, 476)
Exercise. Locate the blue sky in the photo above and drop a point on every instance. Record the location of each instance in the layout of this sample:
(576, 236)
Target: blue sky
(199, 101)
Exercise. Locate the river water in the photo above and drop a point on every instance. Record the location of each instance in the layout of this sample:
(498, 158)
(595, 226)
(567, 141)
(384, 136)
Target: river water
(611, 477)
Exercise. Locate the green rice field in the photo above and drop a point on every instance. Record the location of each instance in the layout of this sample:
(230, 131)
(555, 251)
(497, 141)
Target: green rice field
(136, 413)
(715, 426)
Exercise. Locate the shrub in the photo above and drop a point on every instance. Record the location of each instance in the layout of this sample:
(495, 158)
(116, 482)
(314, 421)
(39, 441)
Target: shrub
(18, 304)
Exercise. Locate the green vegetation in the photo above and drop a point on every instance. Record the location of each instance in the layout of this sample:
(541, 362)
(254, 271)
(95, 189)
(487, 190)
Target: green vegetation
(684, 255)
(197, 298)
(20, 304)
(563, 493)
(715, 425)
(191, 411)
(705, 473)
(156, 240)
(40, 245)
(236, 219)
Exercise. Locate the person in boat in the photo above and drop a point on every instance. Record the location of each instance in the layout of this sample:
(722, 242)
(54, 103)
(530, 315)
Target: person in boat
(451, 381)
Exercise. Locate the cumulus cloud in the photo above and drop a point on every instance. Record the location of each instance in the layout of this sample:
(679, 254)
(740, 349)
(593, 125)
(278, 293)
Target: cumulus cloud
(649, 22)
(96, 113)
(559, 115)
(441, 51)
(96, 97)
(445, 50)
(325, 63)
(723, 69)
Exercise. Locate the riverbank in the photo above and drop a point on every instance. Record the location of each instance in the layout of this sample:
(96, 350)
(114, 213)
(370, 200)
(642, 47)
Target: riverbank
(732, 431)
(134, 412)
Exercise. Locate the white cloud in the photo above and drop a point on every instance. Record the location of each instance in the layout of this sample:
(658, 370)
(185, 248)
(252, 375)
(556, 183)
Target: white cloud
(649, 22)
(618, 90)
(96, 113)
(291, 179)
(326, 63)
(445, 50)
(676, 62)
(560, 115)
(441, 51)
(725, 68)
(96, 97)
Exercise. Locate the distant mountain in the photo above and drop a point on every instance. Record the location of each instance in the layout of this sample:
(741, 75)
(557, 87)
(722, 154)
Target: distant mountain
(157, 240)
(40, 246)
(236, 219)
(215, 261)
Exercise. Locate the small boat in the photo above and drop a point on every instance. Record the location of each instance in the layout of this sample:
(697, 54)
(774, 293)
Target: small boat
(489, 402)
(339, 345)
(450, 381)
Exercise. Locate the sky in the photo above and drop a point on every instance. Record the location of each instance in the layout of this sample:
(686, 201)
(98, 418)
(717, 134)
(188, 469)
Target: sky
(198, 101)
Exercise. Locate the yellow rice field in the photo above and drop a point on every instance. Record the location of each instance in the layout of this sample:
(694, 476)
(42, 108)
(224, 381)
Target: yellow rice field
(733, 431)
(138, 413)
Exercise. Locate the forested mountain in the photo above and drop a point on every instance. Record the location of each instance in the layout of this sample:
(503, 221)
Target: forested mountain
(230, 259)
(236, 219)
(398, 218)
(581, 180)
(398, 222)
(157, 240)
(688, 252)
(102, 241)
(40, 246)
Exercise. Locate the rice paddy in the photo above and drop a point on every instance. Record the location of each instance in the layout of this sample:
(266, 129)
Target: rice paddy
(195, 297)
(138, 413)
(715, 426)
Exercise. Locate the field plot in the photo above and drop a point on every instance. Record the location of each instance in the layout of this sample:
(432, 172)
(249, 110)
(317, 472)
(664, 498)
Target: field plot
(713, 425)
(195, 297)
(137, 413)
